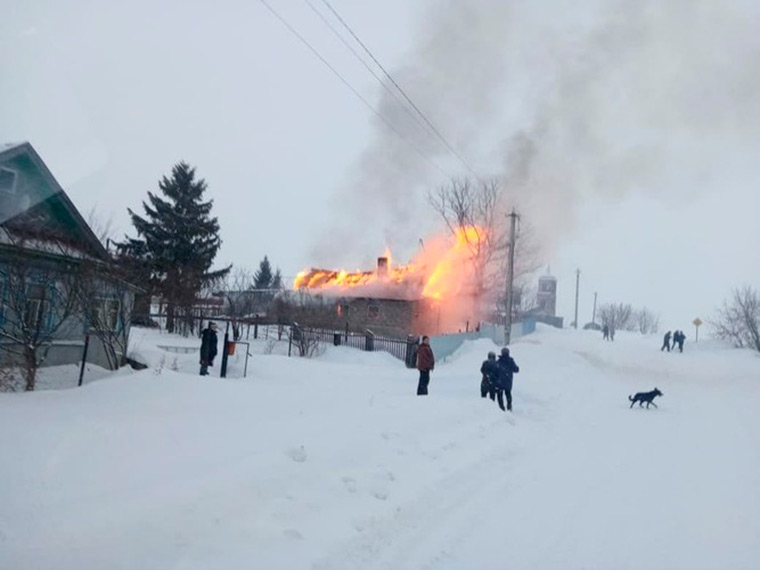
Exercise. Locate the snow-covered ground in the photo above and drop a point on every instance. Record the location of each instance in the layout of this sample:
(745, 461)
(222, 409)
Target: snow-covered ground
(335, 463)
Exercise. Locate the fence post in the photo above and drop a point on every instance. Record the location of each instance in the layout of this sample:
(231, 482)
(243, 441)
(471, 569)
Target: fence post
(369, 341)
(223, 371)
(411, 350)
(84, 357)
(256, 328)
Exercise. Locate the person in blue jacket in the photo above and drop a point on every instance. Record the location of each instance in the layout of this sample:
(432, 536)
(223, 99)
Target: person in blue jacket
(507, 369)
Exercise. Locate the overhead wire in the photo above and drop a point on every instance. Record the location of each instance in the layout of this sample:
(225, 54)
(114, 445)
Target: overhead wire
(368, 67)
(348, 85)
(401, 90)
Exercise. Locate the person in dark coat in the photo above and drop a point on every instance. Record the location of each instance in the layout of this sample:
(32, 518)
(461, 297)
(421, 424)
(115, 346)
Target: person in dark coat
(507, 369)
(666, 341)
(425, 363)
(681, 339)
(208, 347)
(490, 372)
(605, 332)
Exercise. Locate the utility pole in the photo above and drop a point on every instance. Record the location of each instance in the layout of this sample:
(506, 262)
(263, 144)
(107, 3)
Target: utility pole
(510, 278)
(577, 283)
(593, 315)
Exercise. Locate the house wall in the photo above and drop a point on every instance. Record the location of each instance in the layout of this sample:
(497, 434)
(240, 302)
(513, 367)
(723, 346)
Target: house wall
(385, 317)
(68, 342)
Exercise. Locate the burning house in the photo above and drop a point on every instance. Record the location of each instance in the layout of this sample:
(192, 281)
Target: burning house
(435, 293)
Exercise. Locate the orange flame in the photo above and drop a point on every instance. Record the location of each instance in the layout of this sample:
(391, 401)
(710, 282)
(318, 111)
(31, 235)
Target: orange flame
(442, 271)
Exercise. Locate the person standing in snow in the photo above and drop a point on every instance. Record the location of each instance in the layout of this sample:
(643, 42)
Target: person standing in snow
(666, 341)
(208, 347)
(507, 369)
(681, 339)
(605, 332)
(425, 363)
(612, 334)
(490, 372)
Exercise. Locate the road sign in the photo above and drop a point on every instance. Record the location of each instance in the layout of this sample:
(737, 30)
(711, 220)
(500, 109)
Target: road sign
(696, 322)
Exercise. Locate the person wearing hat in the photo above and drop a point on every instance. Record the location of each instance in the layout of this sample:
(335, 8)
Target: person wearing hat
(507, 369)
(490, 372)
(208, 347)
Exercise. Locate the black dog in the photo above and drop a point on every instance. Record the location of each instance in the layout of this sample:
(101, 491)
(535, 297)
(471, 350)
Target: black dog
(647, 397)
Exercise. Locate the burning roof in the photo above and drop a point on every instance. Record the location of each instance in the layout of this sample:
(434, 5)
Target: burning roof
(443, 270)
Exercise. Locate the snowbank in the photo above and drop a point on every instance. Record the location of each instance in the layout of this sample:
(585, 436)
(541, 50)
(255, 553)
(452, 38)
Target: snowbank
(333, 463)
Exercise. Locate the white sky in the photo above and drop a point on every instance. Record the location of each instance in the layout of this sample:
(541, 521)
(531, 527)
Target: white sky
(113, 94)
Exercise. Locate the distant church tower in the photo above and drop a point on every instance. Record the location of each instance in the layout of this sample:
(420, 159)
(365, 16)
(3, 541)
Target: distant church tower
(547, 294)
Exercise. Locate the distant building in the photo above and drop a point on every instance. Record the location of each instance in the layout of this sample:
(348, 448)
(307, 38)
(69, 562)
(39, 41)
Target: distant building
(546, 298)
(368, 301)
(387, 317)
(546, 302)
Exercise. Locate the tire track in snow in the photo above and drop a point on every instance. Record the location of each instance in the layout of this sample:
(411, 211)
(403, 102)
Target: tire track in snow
(410, 537)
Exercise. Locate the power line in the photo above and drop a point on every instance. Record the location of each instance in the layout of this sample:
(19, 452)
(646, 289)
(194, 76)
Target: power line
(403, 93)
(353, 90)
(361, 60)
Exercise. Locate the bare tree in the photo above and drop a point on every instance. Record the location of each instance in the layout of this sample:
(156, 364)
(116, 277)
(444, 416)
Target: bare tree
(475, 211)
(240, 300)
(645, 321)
(738, 320)
(41, 301)
(306, 341)
(617, 316)
(469, 210)
(106, 305)
(103, 229)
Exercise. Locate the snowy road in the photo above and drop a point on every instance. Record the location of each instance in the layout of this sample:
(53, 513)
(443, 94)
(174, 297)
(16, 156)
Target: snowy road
(335, 464)
(579, 480)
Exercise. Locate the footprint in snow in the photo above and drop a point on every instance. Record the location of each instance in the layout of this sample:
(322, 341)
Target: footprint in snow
(380, 493)
(350, 484)
(292, 534)
(298, 454)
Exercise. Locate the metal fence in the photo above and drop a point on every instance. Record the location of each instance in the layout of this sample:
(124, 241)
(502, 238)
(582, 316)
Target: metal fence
(405, 349)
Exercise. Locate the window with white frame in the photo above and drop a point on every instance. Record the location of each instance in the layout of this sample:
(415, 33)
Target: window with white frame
(105, 313)
(37, 305)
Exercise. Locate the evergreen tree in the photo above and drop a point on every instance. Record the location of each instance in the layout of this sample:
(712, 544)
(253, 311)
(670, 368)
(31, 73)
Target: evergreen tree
(133, 266)
(262, 279)
(179, 240)
(277, 280)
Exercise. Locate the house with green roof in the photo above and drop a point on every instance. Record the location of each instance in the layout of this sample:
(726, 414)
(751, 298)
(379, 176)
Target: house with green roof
(57, 281)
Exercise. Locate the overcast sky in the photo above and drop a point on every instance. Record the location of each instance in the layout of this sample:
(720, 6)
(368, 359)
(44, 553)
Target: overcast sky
(627, 133)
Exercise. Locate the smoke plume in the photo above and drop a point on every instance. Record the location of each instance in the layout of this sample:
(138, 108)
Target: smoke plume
(564, 102)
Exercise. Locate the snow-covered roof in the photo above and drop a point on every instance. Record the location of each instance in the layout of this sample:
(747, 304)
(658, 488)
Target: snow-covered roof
(10, 145)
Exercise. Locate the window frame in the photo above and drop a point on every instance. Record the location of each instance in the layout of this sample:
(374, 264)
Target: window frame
(14, 180)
